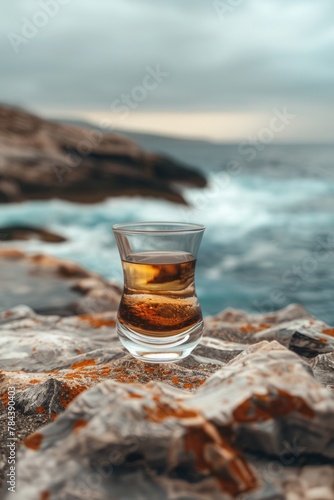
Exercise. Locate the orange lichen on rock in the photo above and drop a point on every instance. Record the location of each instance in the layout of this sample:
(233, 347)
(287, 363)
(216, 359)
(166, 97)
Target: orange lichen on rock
(45, 495)
(87, 373)
(160, 411)
(120, 375)
(96, 321)
(125, 378)
(150, 369)
(230, 469)
(34, 441)
(262, 407)
(40, 409)
(68, 393)
(254, 328)
(83, 364)
(79, 424)
(193, 384)
(248, 328)
(135, 396)
(194, 442)
(4, 398)
(73, 376)
(264, 326)
(34, 381)
(329, 331)
(105, 371)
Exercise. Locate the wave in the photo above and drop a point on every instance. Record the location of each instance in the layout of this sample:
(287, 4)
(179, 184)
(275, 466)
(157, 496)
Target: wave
(256, 230)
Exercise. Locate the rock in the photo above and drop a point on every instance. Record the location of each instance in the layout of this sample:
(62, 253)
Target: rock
(9, 190)
(243, 417)
(53, 286)
(42, 159)
(9, 233)
(323, 369)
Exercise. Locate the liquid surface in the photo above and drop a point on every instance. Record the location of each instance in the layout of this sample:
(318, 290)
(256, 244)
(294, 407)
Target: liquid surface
(159, 297)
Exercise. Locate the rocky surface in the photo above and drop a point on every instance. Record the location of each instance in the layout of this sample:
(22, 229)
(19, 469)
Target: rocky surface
(41, 159)
(53, 286)
(249, 415)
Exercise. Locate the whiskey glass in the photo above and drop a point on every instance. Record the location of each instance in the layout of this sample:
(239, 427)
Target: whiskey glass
(159, 317)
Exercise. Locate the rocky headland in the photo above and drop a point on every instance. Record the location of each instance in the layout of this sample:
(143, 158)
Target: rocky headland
(42, 159)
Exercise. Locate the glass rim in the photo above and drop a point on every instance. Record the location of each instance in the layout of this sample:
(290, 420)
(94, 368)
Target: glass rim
(139, 227)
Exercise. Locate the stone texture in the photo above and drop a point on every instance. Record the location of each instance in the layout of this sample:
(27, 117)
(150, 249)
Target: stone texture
(243, 417)
(42, 159)
(53, 286)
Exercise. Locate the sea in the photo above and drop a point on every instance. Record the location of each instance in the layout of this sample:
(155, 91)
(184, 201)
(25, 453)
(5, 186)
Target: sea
(269, 217)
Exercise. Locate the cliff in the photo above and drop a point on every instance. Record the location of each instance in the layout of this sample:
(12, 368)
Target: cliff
(42, 159)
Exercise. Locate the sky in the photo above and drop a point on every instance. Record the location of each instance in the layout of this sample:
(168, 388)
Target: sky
(213, 69)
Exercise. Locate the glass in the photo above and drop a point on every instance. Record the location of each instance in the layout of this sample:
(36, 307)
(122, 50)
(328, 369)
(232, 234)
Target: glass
(159, 318)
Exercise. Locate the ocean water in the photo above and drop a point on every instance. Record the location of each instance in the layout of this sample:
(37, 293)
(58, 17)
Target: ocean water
(269, 238)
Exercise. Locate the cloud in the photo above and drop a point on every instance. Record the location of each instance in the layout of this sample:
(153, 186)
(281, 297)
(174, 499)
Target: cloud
(263, 53)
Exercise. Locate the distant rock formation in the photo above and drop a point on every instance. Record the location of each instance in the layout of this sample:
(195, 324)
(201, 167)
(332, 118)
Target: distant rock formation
(42, 159)
(53, 286)
(17, 232)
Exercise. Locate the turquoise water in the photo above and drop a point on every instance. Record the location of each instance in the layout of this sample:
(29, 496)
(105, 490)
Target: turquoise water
(269, 237)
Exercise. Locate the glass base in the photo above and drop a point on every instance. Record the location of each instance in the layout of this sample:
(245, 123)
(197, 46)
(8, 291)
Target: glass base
(160, 349)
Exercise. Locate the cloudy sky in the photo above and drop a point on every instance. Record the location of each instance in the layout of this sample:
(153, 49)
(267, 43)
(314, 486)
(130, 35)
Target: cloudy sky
(199, 68)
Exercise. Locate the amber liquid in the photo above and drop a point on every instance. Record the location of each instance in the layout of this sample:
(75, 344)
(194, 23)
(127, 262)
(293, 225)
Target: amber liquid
(159, 297)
